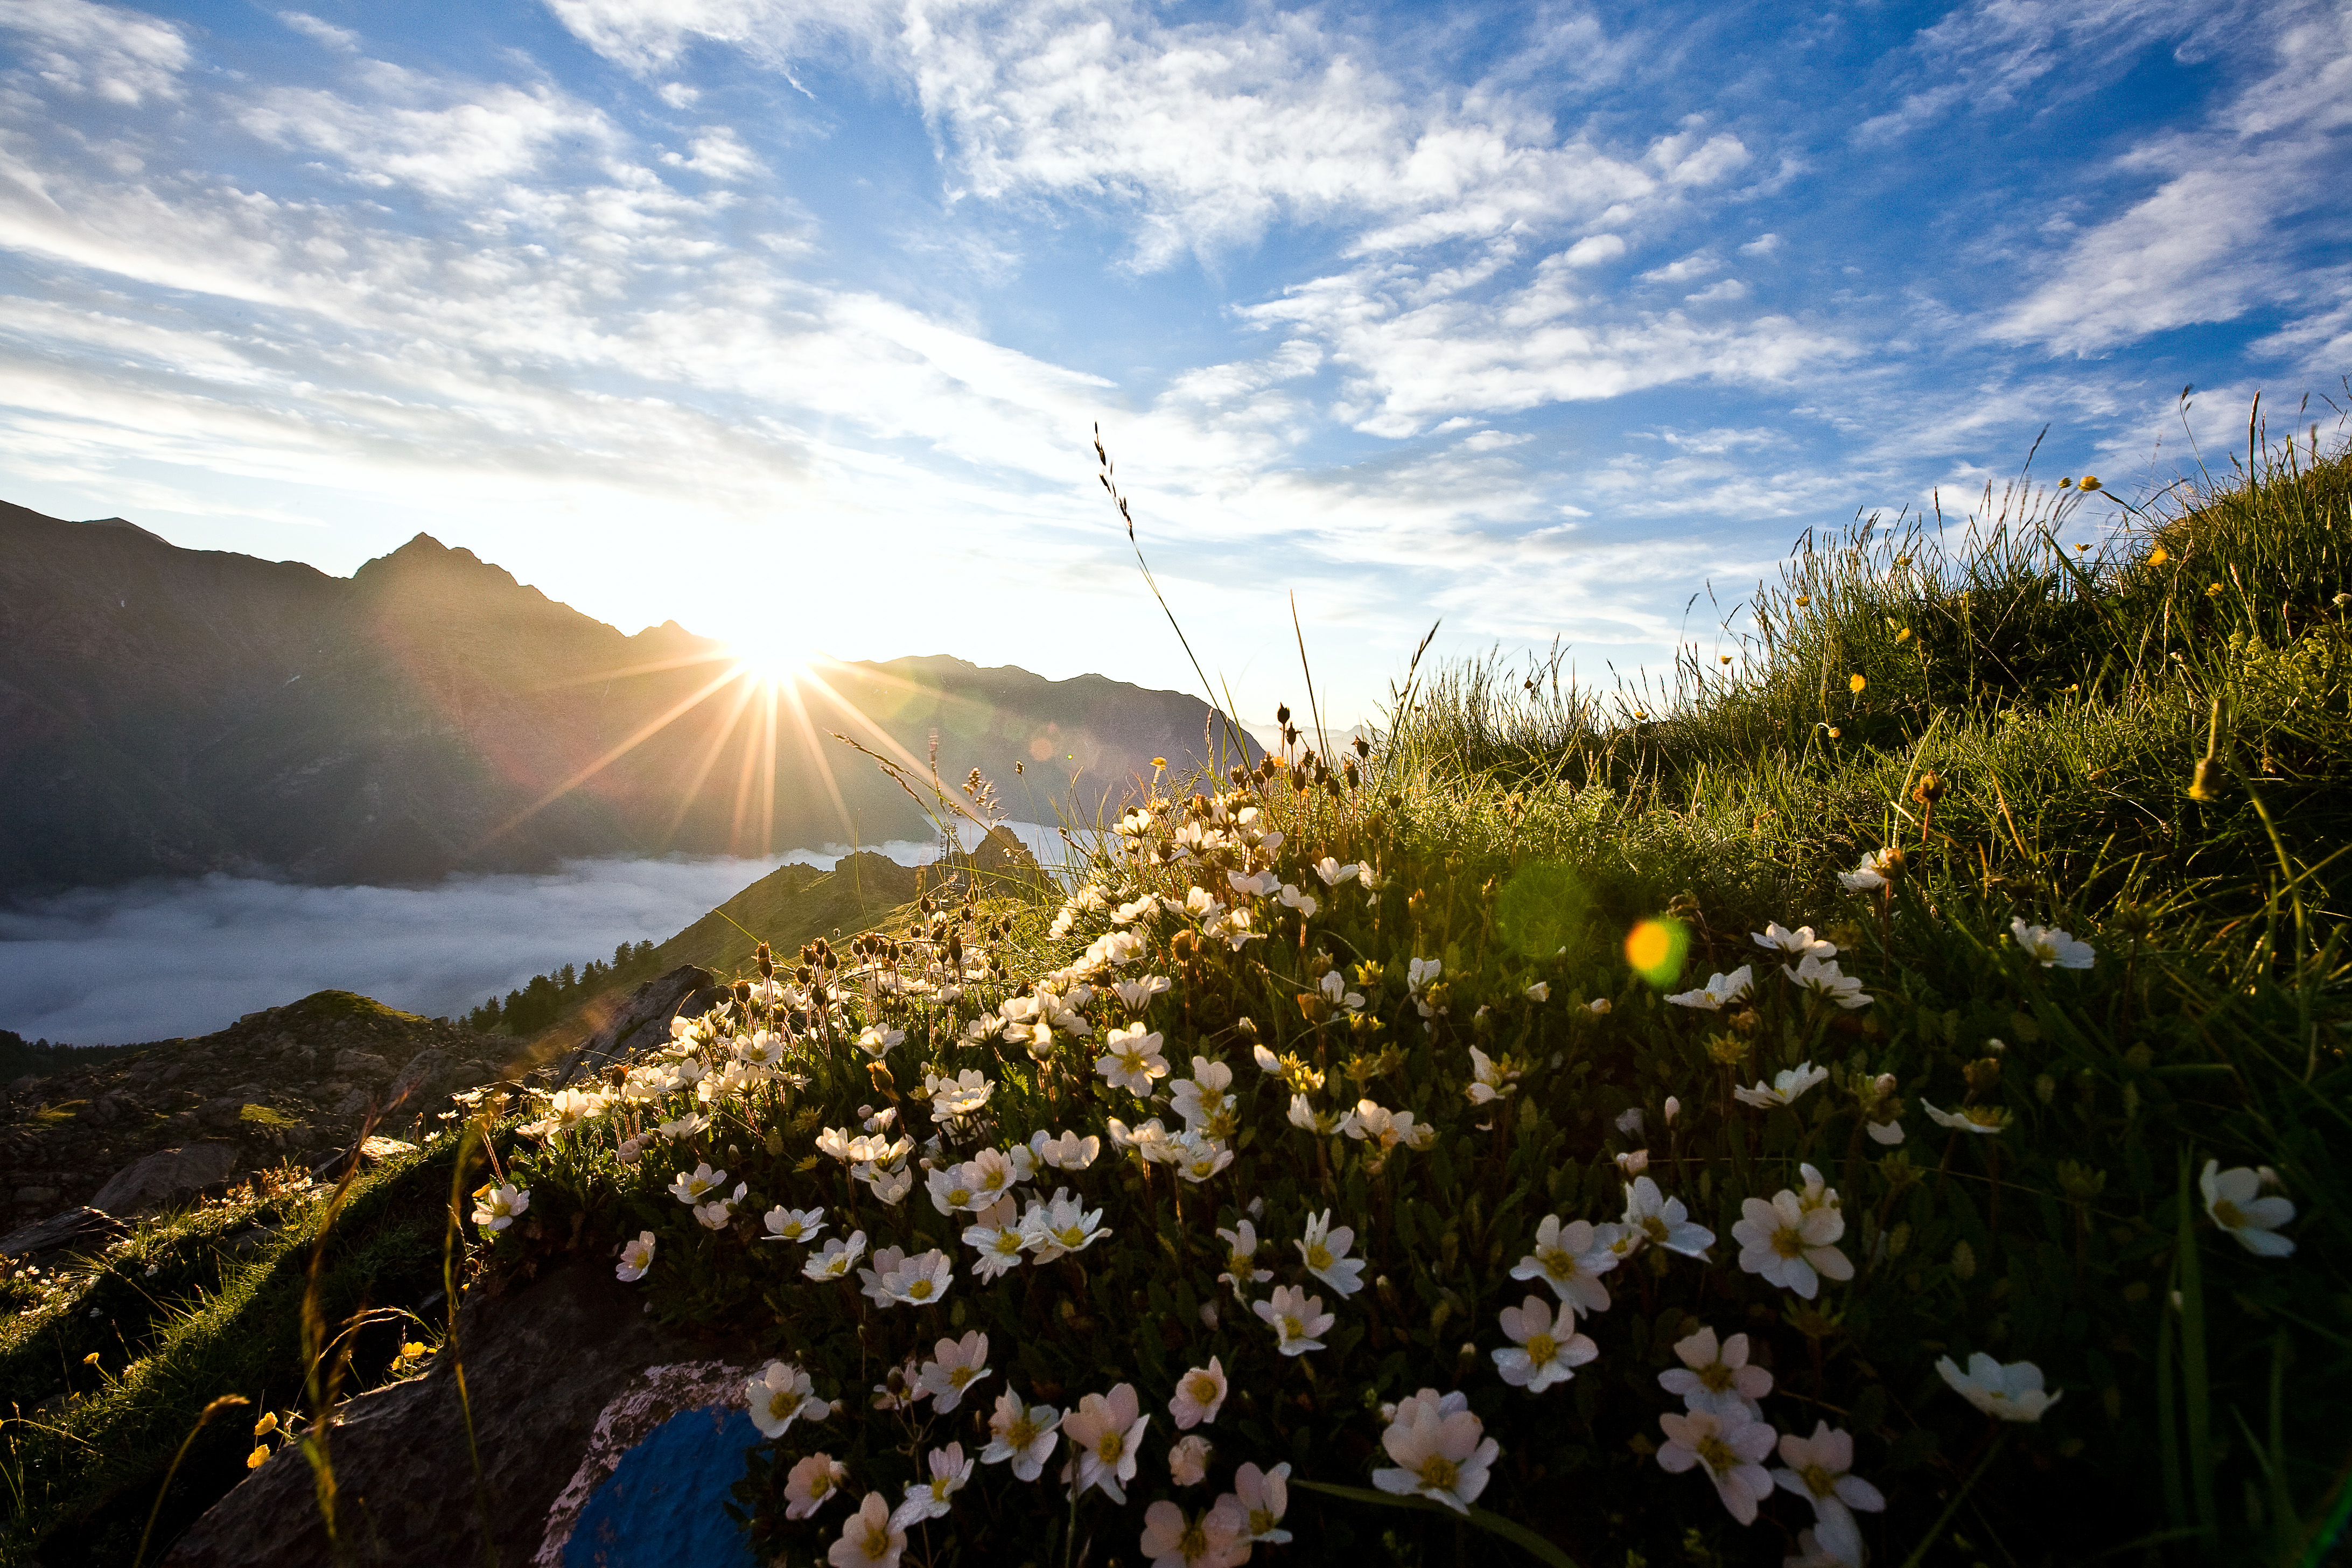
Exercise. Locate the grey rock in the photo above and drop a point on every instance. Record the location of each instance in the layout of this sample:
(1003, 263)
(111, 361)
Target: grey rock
(361, 1064)
(168, 1176)
(36, 1194)
(642, 1023)
(424, 1078)
(76, 1230)
(547, 1369)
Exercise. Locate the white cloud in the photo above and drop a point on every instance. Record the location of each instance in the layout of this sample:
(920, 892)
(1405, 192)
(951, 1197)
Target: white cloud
(450, 150)
(1724, 292)
(1762, 245)
(343, 40)
(82, 49)
(1698, 264)
(719, 154)
(1593, 249)
(2208, 243)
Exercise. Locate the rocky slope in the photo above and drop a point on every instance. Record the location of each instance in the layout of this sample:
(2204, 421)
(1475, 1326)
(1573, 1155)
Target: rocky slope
(170, 710)
(296, 1083)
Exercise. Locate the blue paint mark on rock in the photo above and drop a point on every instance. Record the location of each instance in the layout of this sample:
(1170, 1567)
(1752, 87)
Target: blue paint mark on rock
(663, 1506)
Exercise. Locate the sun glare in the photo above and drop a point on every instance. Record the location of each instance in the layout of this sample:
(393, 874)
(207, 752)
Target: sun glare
(767, 657)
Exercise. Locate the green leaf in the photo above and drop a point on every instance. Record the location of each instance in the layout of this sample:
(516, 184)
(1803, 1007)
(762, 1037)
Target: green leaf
(1493, 1523)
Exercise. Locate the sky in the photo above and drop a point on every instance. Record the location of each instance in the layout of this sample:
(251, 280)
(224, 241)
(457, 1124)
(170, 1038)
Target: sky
(792, 322)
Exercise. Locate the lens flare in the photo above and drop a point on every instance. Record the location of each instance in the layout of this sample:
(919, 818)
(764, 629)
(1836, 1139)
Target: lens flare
(1655, 947)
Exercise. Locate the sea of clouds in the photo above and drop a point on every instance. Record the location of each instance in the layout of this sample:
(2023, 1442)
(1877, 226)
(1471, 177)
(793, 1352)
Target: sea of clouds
(182, 957)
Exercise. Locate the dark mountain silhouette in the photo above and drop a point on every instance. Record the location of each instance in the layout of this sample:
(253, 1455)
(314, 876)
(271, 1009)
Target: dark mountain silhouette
(173, 711)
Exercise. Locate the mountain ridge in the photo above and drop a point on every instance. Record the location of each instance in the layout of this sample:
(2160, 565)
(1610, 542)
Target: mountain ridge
(170, 712)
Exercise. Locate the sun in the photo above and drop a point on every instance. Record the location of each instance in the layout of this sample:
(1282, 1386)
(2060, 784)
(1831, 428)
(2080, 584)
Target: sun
(770, 655)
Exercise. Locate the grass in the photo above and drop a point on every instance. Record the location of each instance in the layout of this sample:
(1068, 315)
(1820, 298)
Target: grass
(2101, 739)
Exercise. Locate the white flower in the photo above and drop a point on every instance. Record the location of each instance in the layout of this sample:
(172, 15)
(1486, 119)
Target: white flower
(887, 1262)
(1786, 1086)
(1325, 1251)
(920, 1280)
(1136, 994)
(1061, 1225)
(1295, 1319)
(2012, 1392)
(1790, 1245)
(1066, 1152)
(965, 1093)
(1822, 976)
(1571, 1258)
(1304, 903)
(1887, 1133)
(1188, 1460)
(719, 1211)
(1024, 1434)
(1732, 1452)
(1201, 1100)
(1422, 972)
(1306, 1119)
(877, 1041)
(495, 1207)
(956, 1366)
(1440, 1449)
(1870, 874)
(929, 1499)
(1255, 886)
(2233, 1200)
(1196, 1156)
(1540, 1358)
(833, 1260)
(1632, 1163)
(1150, 1140)
(891, 1186)
(1598, 1006)
(1985, 1120)
(1132, 1060)
(952, 1191)
(998, 1236)
(812, 1484)
(1216, 1539)
(636, 1257)
(1104, 1433)
(871, 1538)
(1266, 1060)
(1662, 1221)
(1799, 944)
(693, 1186)
(2052, 948)
(1541, 991)
(780, 1395)
(1332, 872)
(1717, 1378)
(1386, 1128)
(1334, 987)
(1241, 1267)
(1719, 991)
(992, 1173)
(1488, 1081)
(1817, 1471)
(1265, 1497)
(1200, 1395)
(792, 1225)
(1629, 1121)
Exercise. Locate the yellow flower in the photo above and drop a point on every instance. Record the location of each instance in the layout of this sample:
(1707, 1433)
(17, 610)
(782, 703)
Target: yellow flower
(266, 1426)
(1854, 683)
(253, 1460)
(2213, 590)
(2159, 556)
(2087, 483)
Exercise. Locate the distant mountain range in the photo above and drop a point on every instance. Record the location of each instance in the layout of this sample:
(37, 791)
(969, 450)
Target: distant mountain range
(176, 712)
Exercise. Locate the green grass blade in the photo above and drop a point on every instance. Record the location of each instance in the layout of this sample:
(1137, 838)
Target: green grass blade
(1493, 1523)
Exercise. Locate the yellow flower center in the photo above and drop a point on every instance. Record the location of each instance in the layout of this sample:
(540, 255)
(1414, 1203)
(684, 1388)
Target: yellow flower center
(2227, 1215)
(961, 1376)
(1113, 1444)
(1007, 1243)
(1318, 1257)
(1194, 1542)
(877, 1542)
(1788, 1243)
(1204, 1389)
(1262, 1519)
(1022, 1432)
(1292, 1329)
(1818, 1480)
(1557, 1263)
(1439, 1473)
(1716, 1454)
(1541, 1350)
(1714, 1376)
(921, 1289)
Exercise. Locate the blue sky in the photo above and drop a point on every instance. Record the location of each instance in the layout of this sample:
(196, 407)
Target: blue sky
(790, 321)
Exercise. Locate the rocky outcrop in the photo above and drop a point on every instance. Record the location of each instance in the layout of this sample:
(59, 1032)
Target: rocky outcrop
(564, 1378)
(642, 1022)
(167, 1177)
(292, 1083)
(76, 1230)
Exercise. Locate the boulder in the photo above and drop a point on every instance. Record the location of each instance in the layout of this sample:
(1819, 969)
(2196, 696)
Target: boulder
(361, 1064)
(566, 1377)
(76, 1230)
(168, 1176)
(424, 1078)
(643, 1021)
